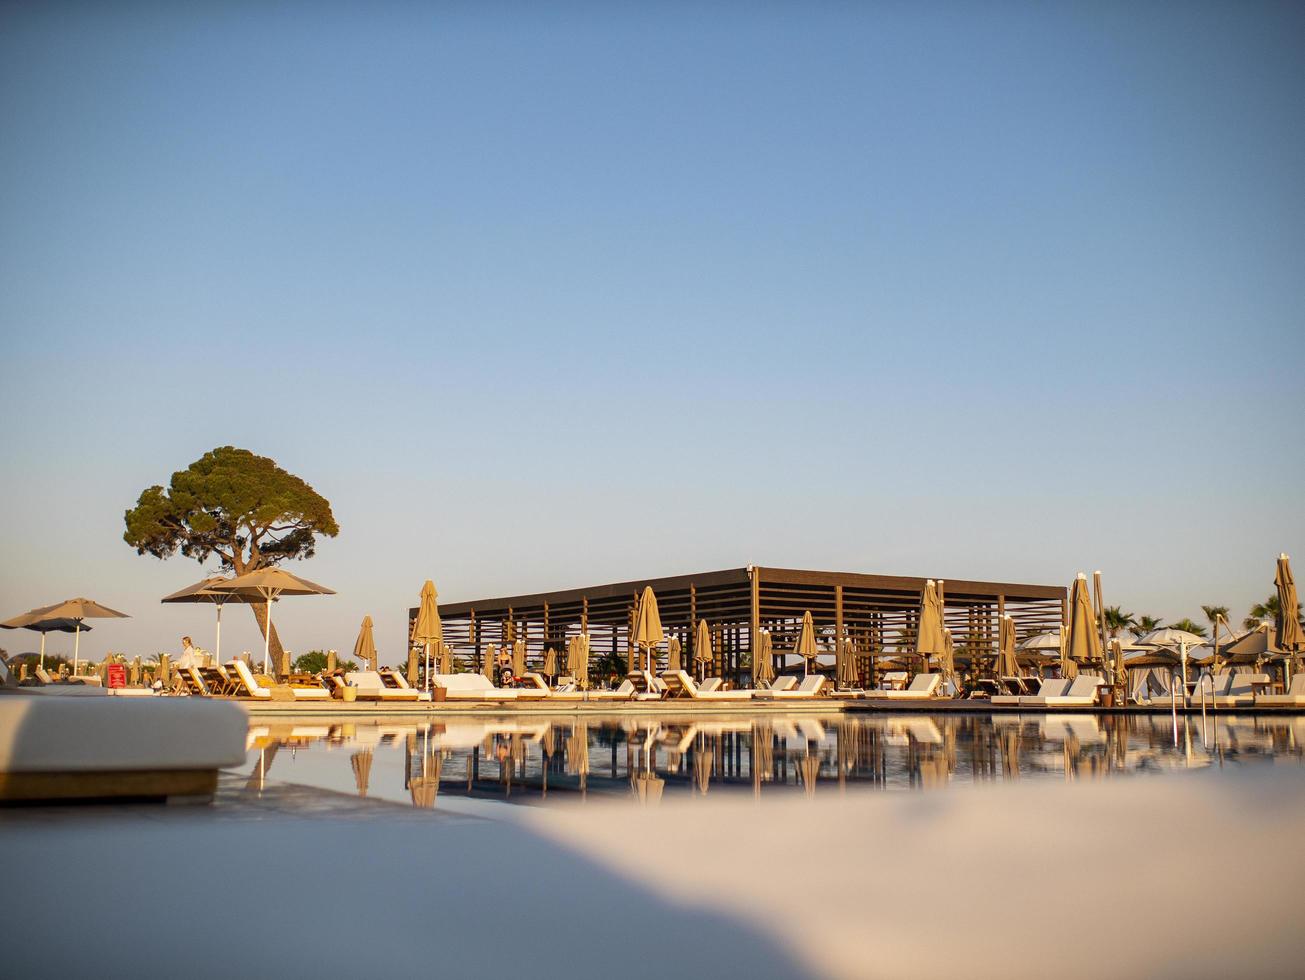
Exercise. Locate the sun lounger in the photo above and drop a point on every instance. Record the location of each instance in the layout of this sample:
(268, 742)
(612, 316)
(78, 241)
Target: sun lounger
(371, 687)
(188, 682)
(922, 688)
(215, 680)
(680, 685)
(1082, 692)
(1295, 696)
(249, 685)
(62, 743)
(1241, 692)
(785, 683)
(1051, 687)
(472, 687)
(812, 685)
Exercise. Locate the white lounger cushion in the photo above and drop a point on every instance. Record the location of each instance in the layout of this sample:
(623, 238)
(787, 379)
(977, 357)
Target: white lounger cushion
(104, 734)
(924, 686)
(471, 687)
(370, 683)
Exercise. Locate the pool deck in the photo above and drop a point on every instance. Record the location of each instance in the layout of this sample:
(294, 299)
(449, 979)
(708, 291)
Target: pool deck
(682, 706)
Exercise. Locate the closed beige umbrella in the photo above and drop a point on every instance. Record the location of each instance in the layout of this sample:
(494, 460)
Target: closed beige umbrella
(488, 659)
(519, 658)
(268, 585)
(763, 661)
(364, 648)
(673, 654)
(75, 610)
(1082, 642)
(846, 672)
(1007, 663)
(581, 672)
(702, 652)
(805, 647)
(550, 662)
(1290, 637)
(930, 641)
(648, 625)
(948, 657)
(428, 630)
(443, 654)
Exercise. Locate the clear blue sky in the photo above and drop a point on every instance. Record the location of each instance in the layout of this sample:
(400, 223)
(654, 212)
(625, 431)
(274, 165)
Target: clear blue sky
(546, 297)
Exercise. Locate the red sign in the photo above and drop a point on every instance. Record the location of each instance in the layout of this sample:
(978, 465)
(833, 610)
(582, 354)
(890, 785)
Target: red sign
(117, 675)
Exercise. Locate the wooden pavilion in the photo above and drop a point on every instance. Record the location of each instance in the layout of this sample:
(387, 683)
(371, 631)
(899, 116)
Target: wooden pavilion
(875, 614)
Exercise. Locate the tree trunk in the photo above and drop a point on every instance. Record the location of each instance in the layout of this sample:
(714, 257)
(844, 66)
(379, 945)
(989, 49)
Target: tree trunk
(275, 650)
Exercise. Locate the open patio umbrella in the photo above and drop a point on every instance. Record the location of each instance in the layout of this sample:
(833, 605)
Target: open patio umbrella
(648, 625)
(846, 669)
(1290, 637)
(1083, 642)
(428, 629)
(702, 652)
(75, 610)
(203, 592)
(805, 646)
(364, 648)
(763, 661)
(1007, 663)
(44, 626)
(1169, 638)
(268, 585)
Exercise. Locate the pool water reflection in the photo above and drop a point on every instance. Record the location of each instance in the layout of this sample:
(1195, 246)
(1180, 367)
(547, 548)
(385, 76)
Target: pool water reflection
(524, 760)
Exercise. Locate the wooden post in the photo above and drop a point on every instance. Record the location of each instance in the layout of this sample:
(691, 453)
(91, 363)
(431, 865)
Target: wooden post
(584, 615)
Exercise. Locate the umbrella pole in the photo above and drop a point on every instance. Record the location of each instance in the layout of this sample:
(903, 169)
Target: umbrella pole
(428, 666)
(267, 633)
(43, 651)
(77, 646)
(217, 642)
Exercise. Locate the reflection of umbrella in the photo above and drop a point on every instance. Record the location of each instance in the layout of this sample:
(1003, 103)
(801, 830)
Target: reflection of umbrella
(74, 609)
(1007, 664)
(763, 661)
(647, 624)
(202, 591)
(266, 584)
(647, 787)
(805, 647)
(809, 769)
(426, 787)
(428, 629)
(46, 626)
(1010, 754)
(702, 652)
(763, 753)
(702, 763)
(362, 769)
(364, 648)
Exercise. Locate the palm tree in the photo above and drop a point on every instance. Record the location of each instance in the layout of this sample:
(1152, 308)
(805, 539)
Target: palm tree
(1186, 625)
(1143, 625)
(1117, 620)
(1261, 611)
(1216, 615)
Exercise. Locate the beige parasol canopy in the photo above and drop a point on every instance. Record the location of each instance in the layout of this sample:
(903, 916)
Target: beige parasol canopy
(1290, 637)
(1007, 662)
(805, 647)
(647, 624)
(364, 648)
(763, 660)
(846, 669)
(44, 626)
(267, 585)
(428, 629)
(929, 640)
(702, 651)
(1083, 642)
(74, 609)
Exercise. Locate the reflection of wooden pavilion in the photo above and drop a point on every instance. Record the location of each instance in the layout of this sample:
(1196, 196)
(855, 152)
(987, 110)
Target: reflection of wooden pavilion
(876, 613)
